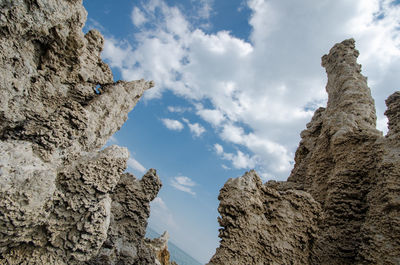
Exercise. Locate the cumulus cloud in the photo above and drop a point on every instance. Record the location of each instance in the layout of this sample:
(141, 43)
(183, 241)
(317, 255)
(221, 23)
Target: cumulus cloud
(184, 184)
(138, 18)
(238, 160)
(172, 124)
(212, 116)
(195, 128)
(260, 94)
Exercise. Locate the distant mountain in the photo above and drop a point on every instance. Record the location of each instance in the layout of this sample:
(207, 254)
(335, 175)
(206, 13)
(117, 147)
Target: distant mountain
(177, 254)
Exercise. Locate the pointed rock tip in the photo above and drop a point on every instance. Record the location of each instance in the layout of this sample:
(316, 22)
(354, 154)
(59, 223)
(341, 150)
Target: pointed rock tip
(339, 52)
(249, 180)
(393, 113)
(165, 236)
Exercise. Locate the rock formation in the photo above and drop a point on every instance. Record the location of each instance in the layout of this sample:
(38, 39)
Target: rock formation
(64, 199)
(160, 247)
(341, 202)
(264, 223)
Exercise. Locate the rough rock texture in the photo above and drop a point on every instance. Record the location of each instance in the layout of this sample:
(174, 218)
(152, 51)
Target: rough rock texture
(63, 199)
(264, 223)
(337, 158)
(126, 243)
(160, 247)
(341, 202)
(381, 230)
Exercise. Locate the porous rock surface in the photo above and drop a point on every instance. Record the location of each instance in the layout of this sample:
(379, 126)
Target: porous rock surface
(64, 199)
(264, 223)
(341, 202)
(160, 247)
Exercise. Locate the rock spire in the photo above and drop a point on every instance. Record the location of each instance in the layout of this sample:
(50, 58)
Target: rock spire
(340, 204)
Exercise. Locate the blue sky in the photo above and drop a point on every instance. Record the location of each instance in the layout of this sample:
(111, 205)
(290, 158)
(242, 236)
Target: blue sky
(236, 82)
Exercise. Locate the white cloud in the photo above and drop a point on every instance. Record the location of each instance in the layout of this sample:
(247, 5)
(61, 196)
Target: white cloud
(112, 140)
(213, 116)
(239, 160)
(184, 184)
(382, 124)
(117, 53)
(225, 167)
(138, 17)
(195, 128)
(159, 203)
(219, 149)
(177, 109)
(259, 92)
(205, 8)
(172, 124)
(160, 211)
(134, 164)
(94, 24)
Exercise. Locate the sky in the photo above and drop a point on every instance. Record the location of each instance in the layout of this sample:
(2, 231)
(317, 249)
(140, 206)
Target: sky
(236, 83)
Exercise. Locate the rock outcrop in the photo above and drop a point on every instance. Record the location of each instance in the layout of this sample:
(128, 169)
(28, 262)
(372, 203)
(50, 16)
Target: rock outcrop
(64, 199)
(341, 202)
(160, 247)
(264, 223)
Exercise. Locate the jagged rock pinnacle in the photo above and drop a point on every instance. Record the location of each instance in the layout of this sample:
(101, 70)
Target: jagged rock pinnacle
(340, 203)
(63, 199)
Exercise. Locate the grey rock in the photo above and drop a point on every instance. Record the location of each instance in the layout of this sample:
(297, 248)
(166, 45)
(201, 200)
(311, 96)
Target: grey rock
(262, 224)
(63, 199)
(340, 204)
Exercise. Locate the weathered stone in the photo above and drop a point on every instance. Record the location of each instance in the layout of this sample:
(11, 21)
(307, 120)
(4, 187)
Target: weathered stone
(160, 247)
(349, 173)
(337, 158)
(63, 199)
(130, 209)
(264, 224)
(381, 230)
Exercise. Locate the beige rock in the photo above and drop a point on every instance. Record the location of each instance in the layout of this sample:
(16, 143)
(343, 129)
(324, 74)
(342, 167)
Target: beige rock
(264, 224)
(160, 247)
(63, 199)
(343, 193)
(381, 230)
(130, 209)
(337, 158)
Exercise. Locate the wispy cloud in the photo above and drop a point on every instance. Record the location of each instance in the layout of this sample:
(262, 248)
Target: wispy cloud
(225, 167)
(134, 164)
(174, 125)
(112, 140)
(205, 9)
(177, 109)
(195, 128)
(160, 211)
(94, 24)
(184, 184)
